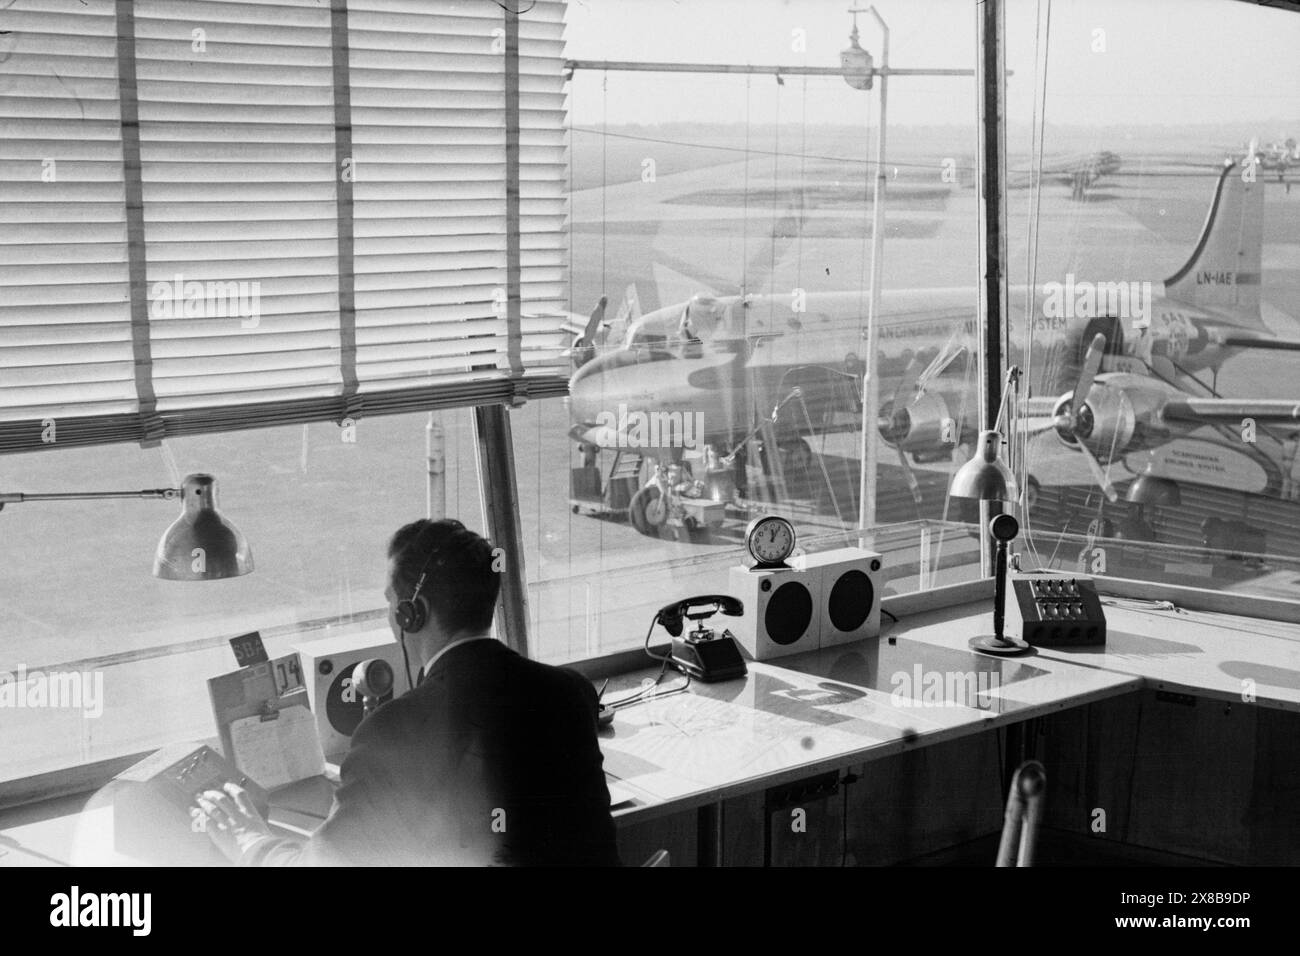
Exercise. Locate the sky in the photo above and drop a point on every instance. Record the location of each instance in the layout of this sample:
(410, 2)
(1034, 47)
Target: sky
(1110, 62)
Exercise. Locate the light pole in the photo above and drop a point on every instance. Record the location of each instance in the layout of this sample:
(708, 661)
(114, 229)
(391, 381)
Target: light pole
(871, 386)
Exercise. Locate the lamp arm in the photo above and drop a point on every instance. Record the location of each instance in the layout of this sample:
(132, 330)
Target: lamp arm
(1013, 379)
(18, 497)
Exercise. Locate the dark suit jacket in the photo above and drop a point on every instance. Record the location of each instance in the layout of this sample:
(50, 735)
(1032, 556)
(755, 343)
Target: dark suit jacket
(492, 759)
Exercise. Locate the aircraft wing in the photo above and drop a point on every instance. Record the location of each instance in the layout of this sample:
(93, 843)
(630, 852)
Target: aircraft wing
(573, 325)
(1231, 410)
(1258, 342)
(1038, 407)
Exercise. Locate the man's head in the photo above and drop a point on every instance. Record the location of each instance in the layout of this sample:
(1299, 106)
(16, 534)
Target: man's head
(459, 591)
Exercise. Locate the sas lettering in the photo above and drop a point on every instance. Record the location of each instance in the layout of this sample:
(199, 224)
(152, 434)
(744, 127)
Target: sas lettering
(1216, 278)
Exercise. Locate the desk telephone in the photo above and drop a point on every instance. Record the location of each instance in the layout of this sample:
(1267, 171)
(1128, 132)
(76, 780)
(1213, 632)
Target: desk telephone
(703, 654)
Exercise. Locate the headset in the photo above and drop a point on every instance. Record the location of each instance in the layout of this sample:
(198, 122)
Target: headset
(411, 615)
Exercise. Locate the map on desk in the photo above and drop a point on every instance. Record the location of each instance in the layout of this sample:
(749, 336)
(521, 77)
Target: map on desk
(776, 719)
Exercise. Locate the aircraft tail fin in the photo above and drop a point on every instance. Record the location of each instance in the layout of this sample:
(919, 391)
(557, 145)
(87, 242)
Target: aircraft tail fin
(1223, 272)
(632, 301)
(629, 312)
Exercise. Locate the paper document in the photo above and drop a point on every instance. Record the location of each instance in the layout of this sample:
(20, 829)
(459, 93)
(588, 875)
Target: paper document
(279, 751)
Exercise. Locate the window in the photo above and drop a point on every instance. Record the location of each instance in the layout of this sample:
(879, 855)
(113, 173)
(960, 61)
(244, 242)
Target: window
(317, 504)
(271, 236)
(1155, 229)
(727, 219)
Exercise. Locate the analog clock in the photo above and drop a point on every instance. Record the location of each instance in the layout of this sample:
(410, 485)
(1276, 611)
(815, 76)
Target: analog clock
(770, 541)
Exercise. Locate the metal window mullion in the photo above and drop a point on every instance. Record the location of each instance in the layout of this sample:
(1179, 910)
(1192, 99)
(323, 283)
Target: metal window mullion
(344, 172)
(514, 309)
(136, 260)
(500, 494)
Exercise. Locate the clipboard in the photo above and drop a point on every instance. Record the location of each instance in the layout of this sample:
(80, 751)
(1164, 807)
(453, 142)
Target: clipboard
(265, 723)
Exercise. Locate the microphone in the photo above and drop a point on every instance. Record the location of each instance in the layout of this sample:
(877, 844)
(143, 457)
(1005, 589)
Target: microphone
(374, 679)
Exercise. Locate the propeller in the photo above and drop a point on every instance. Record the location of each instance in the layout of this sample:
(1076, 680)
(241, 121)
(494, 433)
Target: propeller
(947, 355)
(1076, 425)
(909, 476)
(1103, 482)
(593, 323)
(583, 349)
(906, 391)
(1087, 375)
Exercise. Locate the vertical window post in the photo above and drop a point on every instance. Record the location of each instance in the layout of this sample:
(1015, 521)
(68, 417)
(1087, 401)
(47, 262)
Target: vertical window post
(500, 494)
(990, 84)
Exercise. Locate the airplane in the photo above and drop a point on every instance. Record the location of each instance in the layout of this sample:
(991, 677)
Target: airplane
(738, 361)
(1079, 171)
(1279, 157)
(1156, 429)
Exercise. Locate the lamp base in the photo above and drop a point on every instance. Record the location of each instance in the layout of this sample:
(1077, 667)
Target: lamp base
(1002, 646)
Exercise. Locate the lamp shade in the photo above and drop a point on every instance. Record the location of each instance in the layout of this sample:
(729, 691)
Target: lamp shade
(984, 477)
(201, 545)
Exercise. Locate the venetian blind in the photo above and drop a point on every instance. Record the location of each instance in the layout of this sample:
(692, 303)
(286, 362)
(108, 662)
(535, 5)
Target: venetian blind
(222, 215)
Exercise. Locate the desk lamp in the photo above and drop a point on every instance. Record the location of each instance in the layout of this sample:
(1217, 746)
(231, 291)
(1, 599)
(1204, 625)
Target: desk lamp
(986, 478)
(200, 545)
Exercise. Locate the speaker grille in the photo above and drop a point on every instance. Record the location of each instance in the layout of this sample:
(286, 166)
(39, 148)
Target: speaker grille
(788, 614)
(850, 600)
(345, 715)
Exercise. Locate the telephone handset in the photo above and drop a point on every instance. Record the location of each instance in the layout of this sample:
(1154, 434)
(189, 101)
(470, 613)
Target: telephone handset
(702, 654)
(670, 615)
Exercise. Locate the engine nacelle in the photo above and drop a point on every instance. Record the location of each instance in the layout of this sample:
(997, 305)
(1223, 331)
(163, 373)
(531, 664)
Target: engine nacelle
(925, 423)
(1107, 422)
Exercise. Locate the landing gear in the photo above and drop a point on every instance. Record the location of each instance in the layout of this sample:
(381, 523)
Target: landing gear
(646, 511)
(675, 505)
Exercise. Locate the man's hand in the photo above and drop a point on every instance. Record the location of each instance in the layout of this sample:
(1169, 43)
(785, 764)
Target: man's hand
(230, 819)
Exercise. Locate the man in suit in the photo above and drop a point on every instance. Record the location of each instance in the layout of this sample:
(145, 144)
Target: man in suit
(490, 759)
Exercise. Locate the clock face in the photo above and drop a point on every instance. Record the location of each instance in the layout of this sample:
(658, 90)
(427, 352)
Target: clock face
(770, 540)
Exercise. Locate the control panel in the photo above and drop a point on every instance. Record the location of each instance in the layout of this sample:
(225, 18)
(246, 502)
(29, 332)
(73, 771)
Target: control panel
(1060, 611)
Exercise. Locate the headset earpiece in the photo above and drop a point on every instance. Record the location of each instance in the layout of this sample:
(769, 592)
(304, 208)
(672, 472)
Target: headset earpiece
(410, 614)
